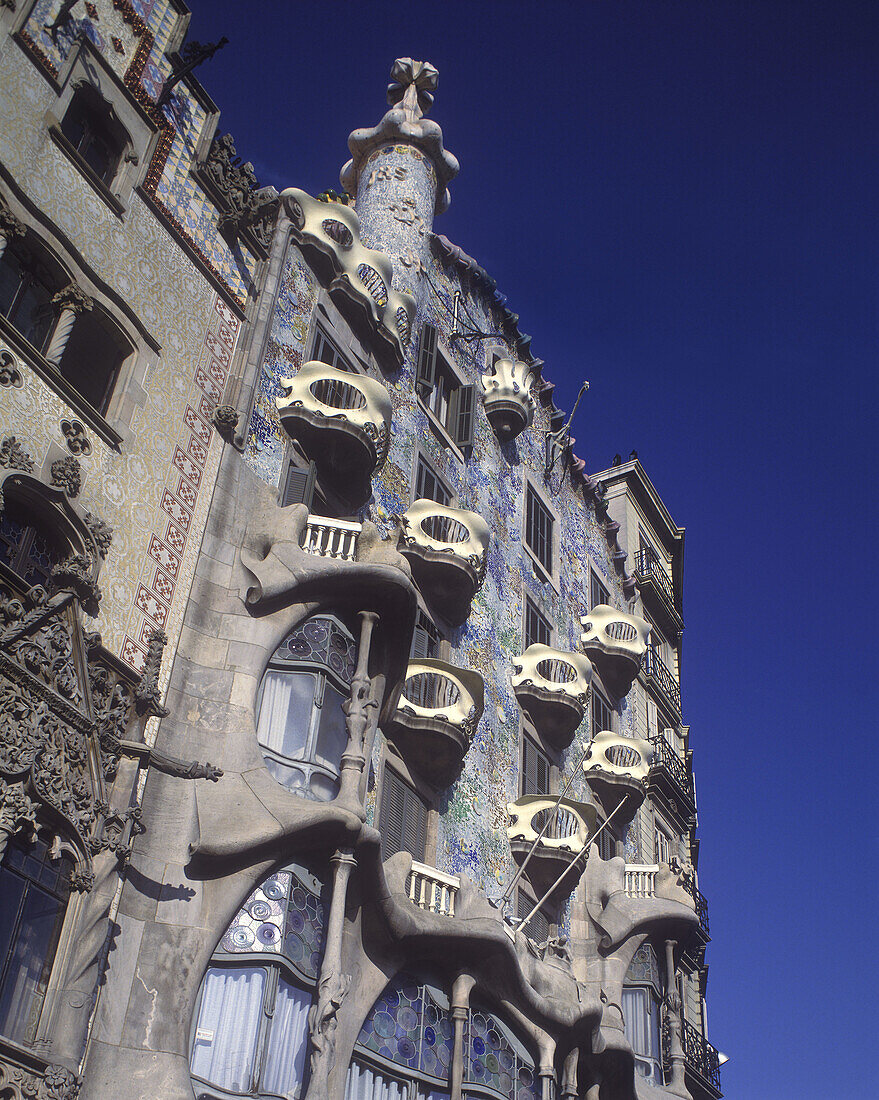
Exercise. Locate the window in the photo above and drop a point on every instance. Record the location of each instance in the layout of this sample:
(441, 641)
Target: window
(539, 927)
(452, 403)
(538, 529)
(251, 1031)
(33, 897)
(602, 715)
(607, 845)
(325, 351)
(95, 133)
(402, 817)
(27, 284)
(535, 774)
(662, 845)
(301, 725)
(428, 485)
(641, 1003)
(93, 357)
(425, 638)
(298, 485)
(598, 594)
(538, 630)
(25, 547)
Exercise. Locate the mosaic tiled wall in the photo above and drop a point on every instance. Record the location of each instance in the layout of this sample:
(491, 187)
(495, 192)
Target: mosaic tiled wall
(472, 834)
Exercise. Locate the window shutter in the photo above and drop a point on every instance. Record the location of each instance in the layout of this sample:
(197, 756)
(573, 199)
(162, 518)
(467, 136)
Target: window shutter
(652, 719)
(299, 486)
(424, 640)
(535, 769)
(391, 813)
(461, 420)
(426, 373)
(414, 825)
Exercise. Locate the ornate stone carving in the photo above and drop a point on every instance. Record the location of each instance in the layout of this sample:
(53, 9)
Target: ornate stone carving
(18, 812)
(246, 205)
(66, 474)
(77, 441)
(10, 375)
(101, 532)
(13, 457)
(225, 420)
(10, 226)
(323, 1021)
(146, 692)
(56, 1083)
(73, 298)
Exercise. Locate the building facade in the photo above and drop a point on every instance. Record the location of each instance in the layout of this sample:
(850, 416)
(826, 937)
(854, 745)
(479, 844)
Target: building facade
(341, 742)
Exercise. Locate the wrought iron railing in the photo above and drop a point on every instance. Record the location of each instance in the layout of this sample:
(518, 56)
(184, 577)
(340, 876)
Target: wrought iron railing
(648, 565)
(657, 668)
(664, 756)
(700, 1056)
(700, 901)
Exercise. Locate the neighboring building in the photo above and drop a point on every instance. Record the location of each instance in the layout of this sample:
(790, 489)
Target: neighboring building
(364, 772)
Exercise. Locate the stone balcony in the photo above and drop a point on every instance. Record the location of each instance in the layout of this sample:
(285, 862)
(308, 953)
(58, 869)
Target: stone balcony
(432, 890)
(509, 404)
(552, 688)
(331, 538)
(552, 839)
(615, 642)
(447, 549)
(616, 769)
(436, 717)
(341, 420)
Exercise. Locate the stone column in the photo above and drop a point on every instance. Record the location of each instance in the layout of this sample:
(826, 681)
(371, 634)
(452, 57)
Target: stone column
(10, 228)
(461, 990)
(333, 985)
(569, 1075)
(361, 718)
(546, 1069)
(673, 1020)
(69, 302)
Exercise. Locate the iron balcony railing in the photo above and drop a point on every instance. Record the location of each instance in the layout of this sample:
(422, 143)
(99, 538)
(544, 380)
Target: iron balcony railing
(657, 668)
(649, 567)
(701, 903)
(664, 756)
(700, 1056)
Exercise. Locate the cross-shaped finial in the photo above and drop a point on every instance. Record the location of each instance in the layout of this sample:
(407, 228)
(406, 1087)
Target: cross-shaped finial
(412, 85)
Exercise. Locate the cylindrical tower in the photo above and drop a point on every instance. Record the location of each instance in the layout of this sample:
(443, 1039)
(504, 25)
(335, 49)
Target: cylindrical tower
(399, 173)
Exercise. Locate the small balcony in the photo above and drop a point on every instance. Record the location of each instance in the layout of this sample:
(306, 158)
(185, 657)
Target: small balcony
(616, 768)
(341, 420)
(436, 717)
(447, 549)
(671, 776)
(552, 688)
(615, 642)
(331, 538)
(641, 880)
(701, 1059)
(558, 837)
(432, 890)
(509, 404)
(699, 901)
(660, 676)
(656, 587)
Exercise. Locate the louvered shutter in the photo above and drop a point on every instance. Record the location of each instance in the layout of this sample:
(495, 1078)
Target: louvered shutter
(537, 928)
(403, 818)
(426, 373)
(461, 415)
(424, 641)
(299, 485)
(414, 825)
(535, 769)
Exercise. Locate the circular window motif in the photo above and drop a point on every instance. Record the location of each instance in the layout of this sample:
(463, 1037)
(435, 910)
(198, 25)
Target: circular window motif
(294, 949)
(295, 921)
(407, 1018)
(259, 910)
(384, 1025)
(241, 938)
(268, 934)
(406, 1048)
(429, 1035)
(478, 1046)
(273, 889)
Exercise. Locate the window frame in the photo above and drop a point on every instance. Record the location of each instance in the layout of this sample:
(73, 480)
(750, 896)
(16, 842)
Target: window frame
(530, 609)
(595, 582)
(410, 791)
(443, 406)
(596, 727)
(321, 339)
(529, 743)
(421, 464)
(548, 575)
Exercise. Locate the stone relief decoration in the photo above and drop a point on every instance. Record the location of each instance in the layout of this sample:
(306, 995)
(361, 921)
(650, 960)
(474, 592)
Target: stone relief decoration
(509, 404)
(246, 209)
(67, 475)
(56, 1083)
(77, 441)
(616, 643)
(616, 769)
(359, 279)
(552, 687)
(14, 457)
(10, 375)
(101, 532)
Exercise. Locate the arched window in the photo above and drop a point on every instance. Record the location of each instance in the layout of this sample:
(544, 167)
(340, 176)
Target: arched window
(405, 1050)
(251, 1036)
(91, 127)
(28, 280)
(642, 995)
(301, 725)
(33, 898)
(27, 547)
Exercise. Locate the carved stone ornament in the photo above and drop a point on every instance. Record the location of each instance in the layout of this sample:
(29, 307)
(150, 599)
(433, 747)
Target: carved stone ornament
(10, 226)
(73, 298)
(66, 474)
(10, 375)
(77, 441)
(147, 694)
(323, 1021)
(14, 457)
(225, 420)
(246, 205)
(56, 1083)
(101, 532)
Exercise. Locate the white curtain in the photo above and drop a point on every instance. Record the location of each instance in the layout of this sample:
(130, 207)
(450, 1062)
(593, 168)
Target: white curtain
(285, 713)
(288, 1041)
(364, 1083)
(641, 1014)
(228, 1027)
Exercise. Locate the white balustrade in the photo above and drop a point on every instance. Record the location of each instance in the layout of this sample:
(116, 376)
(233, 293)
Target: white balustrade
(331, 538)
(433, 890)
(641, 880)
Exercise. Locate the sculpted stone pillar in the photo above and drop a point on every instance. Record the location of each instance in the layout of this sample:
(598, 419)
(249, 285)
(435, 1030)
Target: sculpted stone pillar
(10, 228)
(569, 1074)
(361, 719)
(461, 990)
(70, 302)
(673, 1020)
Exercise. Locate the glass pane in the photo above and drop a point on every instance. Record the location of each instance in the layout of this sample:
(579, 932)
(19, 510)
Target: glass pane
(288, 1041)
(26, 979)
(285, 713)
(224, 1049)
(332, 735)
(10, 280)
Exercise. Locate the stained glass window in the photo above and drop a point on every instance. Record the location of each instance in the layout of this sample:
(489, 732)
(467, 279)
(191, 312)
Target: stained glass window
(24, 547)
(496, 1060)
(410, 1026)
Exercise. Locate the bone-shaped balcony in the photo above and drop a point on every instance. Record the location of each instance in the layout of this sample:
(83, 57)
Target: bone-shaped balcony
(507, 398)
(446, 548)
(342, 423)
(552, 839)
(552, 688)
(615, 642)
(436, 717)
(616, 769)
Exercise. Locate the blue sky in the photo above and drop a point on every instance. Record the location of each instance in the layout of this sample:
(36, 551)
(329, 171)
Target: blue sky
(679, 198)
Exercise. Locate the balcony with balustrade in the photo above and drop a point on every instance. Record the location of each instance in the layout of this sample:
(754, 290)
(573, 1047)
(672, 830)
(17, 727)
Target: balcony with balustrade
(552, 688)
(432, 890)
(615, 642)
(439, 709)
(509, 404)
(550, 839)
(341, 421)
(661, 678)
(331, 538)
(657, 588)
(447, 549)
(616, 769)
(671, 776)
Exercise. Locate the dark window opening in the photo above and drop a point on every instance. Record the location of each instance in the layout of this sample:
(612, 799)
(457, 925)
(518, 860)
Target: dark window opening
(325, 351)
(535, 774)
(94, 132)
(425, 638)
(452, 403)
(598, 594)
(428, 485)
(539, 927)
(602, 715)
(26, 289)
(538, 529)
(93, 357)
(25, 548)
(402, 818)
(538, 630)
